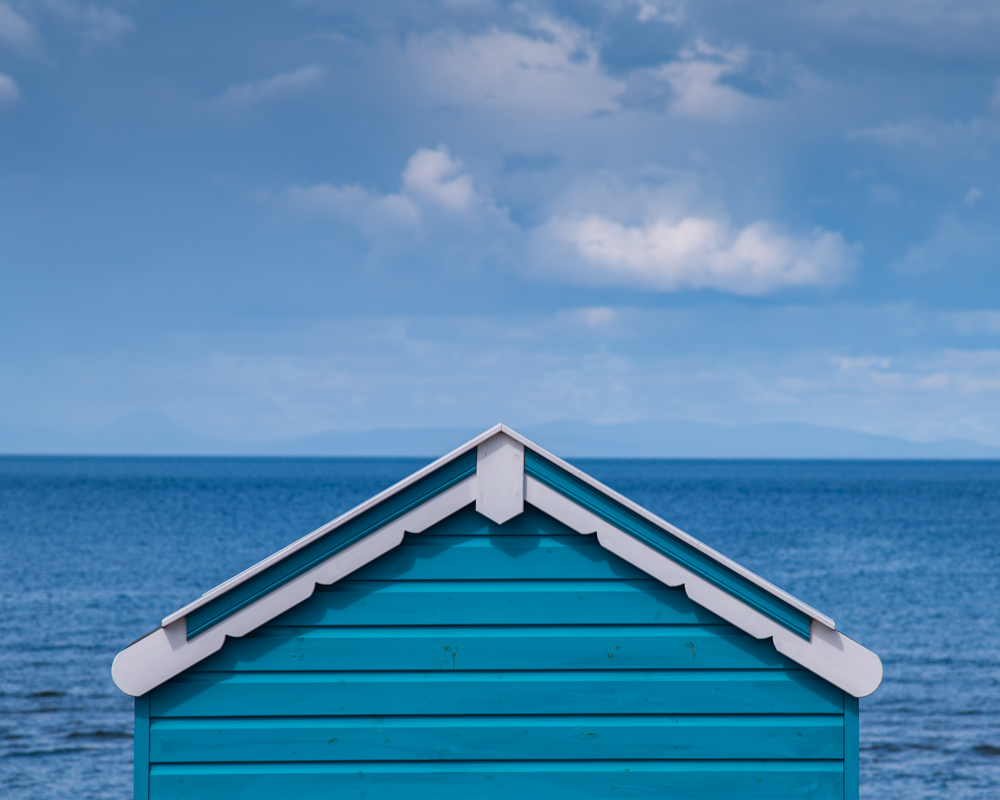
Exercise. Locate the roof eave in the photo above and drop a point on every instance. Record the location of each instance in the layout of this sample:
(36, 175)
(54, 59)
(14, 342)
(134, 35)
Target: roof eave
(344, 518)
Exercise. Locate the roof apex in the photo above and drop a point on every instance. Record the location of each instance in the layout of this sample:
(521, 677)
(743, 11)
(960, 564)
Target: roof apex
(499, 470)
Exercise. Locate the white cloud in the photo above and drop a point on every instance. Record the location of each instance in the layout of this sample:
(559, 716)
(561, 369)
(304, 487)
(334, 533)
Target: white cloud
(438, 222)
(848, 363)
(371, 212)
(671, 251)
(554, 69)
(696, 253)
(973, 196)
(961, 372)
(701, 83)
(103, 24)
(455, 369)
(246, 95)
(8, 90)
(435, 188)
(100, 25)
(695, 79)
(438, 178)
(669, 11)
(15, 30)
(550, 70)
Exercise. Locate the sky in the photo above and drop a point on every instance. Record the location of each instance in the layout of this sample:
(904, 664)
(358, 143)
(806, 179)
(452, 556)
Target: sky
(260, 221)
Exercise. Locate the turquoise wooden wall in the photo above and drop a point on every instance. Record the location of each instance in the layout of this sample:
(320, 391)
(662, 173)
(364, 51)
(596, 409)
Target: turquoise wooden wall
(518, 661)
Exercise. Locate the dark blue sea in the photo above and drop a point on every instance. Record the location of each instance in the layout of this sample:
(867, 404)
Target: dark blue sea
(905, 556)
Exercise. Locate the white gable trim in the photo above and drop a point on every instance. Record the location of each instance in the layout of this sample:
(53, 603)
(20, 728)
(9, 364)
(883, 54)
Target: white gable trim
(715, 555)
(828, 653)
(499, 488)
(343, 519)
(284, 553)
(167, 651)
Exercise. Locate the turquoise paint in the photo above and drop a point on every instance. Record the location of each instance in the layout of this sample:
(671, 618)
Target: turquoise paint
(681, 552)
(530, 522)
(424, 557)
(332, 543)
(852, 744)
(559, 680)
(503, 602)
(515, 738)
(283, 694)
(616, 780)
(140, 761)
(500, 648)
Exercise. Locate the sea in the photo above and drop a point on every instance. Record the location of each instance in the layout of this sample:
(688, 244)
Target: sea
(905, 556)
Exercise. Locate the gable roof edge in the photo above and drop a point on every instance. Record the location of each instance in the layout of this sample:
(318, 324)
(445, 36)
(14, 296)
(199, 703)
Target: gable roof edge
(453, 481)
(673, 530)
(826, 652)
(323, 530)
(167, 651)
(632, 506)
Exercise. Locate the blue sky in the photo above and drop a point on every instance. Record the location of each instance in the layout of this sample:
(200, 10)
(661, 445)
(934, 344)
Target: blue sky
(263, 220)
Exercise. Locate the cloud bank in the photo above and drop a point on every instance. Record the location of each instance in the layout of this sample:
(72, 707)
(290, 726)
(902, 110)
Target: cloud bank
(663, 254)
(552, 70)
(433, 183)
(700, 253)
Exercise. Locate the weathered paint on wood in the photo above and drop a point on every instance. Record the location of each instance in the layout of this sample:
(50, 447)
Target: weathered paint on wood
(501, 648)
(358, 603)
(530, 738)
(615, 780)
(698, 562)
(405, 693)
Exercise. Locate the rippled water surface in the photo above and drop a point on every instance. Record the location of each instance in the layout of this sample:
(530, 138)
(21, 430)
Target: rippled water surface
(904, 555)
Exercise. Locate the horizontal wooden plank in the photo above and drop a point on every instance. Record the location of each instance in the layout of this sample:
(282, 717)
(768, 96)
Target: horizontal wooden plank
(352, 602)
(503, 648)
(634, 780)
(427, 557)
(495, 738)
(618, 692)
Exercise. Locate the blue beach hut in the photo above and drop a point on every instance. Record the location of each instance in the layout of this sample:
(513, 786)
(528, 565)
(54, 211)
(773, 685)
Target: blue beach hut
(497, 625)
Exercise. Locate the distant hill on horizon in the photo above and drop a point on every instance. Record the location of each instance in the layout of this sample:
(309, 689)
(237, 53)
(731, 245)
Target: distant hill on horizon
(148, 434)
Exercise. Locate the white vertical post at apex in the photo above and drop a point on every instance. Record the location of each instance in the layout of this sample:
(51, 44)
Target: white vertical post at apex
(500, 478)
